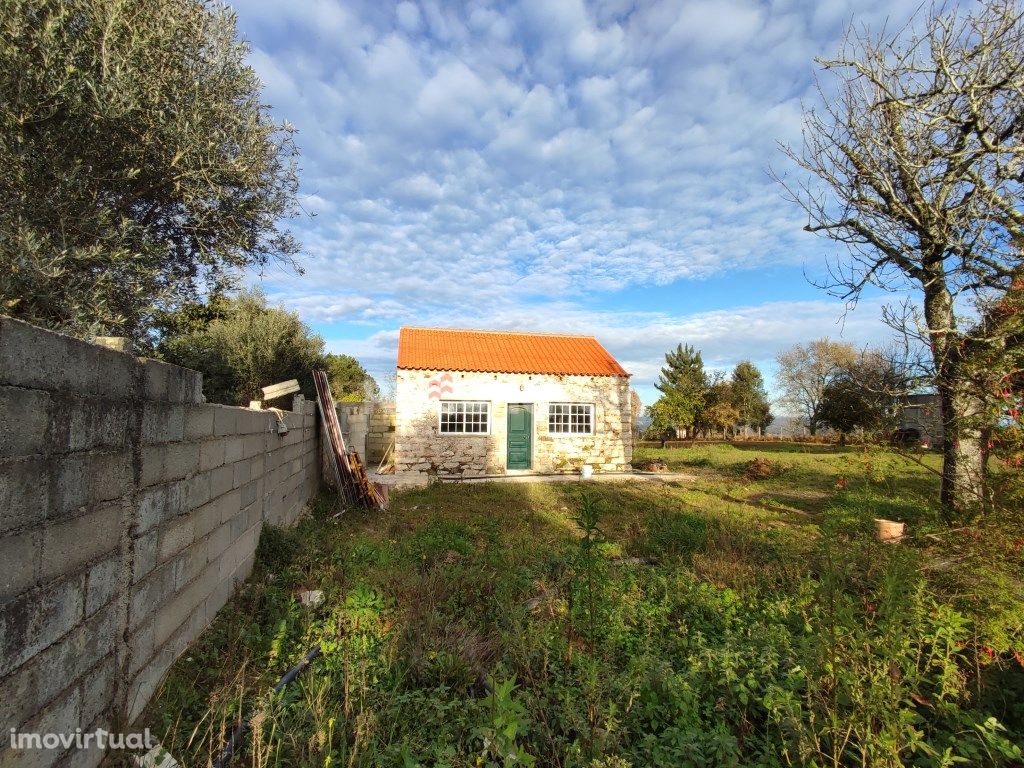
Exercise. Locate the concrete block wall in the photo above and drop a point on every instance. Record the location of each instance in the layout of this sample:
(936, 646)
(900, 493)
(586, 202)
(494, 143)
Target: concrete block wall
(368, 427)
(129, 512)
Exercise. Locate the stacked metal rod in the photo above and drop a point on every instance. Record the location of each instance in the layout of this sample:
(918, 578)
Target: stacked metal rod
(350, 478)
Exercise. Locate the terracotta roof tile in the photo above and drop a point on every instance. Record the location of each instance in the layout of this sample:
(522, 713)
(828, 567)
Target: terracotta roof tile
(450, 349)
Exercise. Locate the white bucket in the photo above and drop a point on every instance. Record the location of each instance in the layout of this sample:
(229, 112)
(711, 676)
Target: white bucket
(586, 472)
(889, 530)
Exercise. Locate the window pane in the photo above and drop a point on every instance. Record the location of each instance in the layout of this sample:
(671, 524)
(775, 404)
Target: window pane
(571, 418)
(464, 417)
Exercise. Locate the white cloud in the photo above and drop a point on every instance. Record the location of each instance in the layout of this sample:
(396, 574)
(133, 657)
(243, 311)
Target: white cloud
(481, 163)
(640, 339)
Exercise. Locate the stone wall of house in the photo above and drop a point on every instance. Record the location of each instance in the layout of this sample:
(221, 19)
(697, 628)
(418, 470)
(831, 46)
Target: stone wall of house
(420, 448)
(129, 512)
(924, 413)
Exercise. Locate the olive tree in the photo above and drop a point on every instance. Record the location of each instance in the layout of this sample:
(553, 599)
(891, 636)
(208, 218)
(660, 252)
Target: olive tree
(248, 346)
(915, 163)
(139, 166)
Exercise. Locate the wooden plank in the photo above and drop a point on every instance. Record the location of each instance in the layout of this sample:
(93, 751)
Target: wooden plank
(353, 482)
(279, 390)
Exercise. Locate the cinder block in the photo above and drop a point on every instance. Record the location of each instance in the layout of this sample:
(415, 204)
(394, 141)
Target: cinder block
(193, 561)
(233, 449)
(205, 519)
(86, 758)
(242, 472)
(21, 555)
(24, 492)
(197, 490)
(159, 503)
(211, 454)
(253, 422)
(151, 592)
(180, 460)
(144, 554)
(152, 465)
(62, 716)
(41, 679)
(174, 537)
(98, 692)
(79, 423)
(253, 514)
(25, 421)
(220, 595)
(229, 504)
(88, 478)
(101, 584)
(218, 541)
(184, 385)
(162, 423)
(251, 445)
(239, 525)
(39, 359)
(225, 420)
(248, 493)
(70, 544)
(198, 421)
(142, 688)
(140, 647)
(154, 380)
(193, 388)
(222, 480)
(174, 612)
(36, 619)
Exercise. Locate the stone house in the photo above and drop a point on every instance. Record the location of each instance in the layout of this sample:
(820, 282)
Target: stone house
(473, 403)
(923, 414)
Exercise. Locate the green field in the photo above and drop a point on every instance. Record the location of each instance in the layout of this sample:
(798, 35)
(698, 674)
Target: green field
(744, 617)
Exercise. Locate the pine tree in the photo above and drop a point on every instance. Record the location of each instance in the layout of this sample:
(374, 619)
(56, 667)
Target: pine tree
(750, 397)
(683, 385)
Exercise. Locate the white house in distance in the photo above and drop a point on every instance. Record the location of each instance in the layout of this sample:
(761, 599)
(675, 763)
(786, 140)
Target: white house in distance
(473, 403)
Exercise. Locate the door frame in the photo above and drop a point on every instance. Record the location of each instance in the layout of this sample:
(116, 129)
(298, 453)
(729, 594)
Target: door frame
(533, 433)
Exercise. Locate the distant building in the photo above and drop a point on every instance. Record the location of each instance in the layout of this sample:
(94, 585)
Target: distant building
(922, 414)
(472, 403)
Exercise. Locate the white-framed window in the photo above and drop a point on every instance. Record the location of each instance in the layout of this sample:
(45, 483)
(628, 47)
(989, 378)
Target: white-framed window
(465, 417)
(571, 418)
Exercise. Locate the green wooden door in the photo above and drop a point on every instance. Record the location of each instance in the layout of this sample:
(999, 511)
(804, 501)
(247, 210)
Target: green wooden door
(520, 436)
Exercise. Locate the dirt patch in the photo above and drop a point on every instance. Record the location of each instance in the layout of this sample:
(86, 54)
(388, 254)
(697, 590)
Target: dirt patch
(763, 469)
(652, 465)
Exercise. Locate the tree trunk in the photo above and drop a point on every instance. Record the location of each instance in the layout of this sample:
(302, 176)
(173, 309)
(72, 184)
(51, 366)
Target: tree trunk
(963, 454)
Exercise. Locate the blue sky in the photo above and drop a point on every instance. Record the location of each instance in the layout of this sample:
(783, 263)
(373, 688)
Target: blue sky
(555, 165)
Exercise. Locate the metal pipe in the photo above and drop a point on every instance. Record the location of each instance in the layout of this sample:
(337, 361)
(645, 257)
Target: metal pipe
(236, 735)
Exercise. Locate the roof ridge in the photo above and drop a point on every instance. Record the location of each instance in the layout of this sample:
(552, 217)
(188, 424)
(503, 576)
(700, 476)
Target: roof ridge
(483, 330)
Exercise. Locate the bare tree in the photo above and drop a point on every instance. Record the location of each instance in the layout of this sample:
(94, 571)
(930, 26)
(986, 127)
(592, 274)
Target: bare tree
(804, 372)
(916, 164)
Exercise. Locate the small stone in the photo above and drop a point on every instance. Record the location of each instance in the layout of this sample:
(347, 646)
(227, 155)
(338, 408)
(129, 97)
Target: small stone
(311, 598)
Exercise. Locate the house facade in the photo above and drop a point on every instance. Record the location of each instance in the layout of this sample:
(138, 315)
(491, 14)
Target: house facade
(475, 403)
(923, 414)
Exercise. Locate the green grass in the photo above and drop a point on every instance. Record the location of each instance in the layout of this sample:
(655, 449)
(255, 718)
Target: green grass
(722, 621)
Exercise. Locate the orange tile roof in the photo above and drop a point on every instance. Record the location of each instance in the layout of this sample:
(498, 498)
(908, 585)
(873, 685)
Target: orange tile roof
(451, 349)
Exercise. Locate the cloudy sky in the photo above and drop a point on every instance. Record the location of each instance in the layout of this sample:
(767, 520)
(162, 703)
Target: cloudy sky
(555, 165)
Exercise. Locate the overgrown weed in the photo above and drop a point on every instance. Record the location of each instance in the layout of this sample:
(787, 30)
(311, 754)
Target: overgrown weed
(638, 625)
